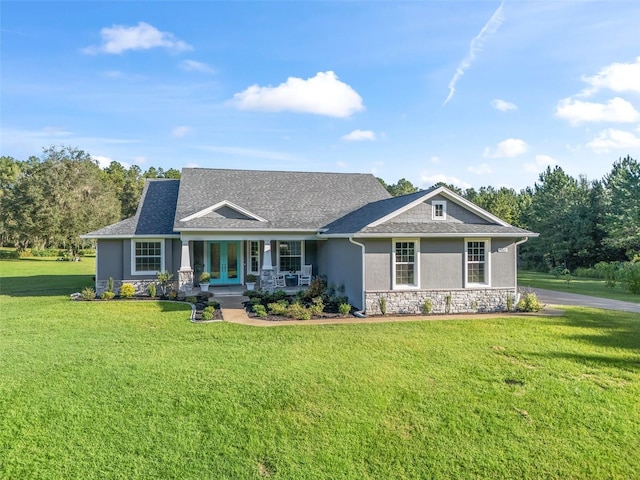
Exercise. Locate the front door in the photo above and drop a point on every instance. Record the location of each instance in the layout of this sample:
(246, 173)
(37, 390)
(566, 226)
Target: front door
(224, 262)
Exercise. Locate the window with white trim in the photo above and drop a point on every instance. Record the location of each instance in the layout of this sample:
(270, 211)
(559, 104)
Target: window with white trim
(405, 263)
(477, 255)
(254, 257)
(439, 209)
(290, 256)
(147, 256)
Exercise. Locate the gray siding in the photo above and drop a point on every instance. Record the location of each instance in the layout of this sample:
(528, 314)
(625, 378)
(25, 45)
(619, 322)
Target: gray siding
(109, 259)
(423, 213)
(503, 265)
(378, 264)
(441, 263)
(344, 267)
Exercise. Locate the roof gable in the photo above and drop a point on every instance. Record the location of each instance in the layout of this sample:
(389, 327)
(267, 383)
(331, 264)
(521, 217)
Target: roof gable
(225, 209)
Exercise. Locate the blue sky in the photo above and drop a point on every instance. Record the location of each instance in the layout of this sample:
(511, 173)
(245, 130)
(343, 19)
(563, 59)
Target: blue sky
(471, 93)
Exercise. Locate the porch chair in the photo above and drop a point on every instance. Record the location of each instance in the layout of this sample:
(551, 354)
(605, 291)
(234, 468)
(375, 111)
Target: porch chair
(305, 277)
(279, 281)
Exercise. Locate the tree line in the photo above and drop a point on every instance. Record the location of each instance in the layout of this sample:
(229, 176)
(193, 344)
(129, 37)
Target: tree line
(580, 222)
(49, 201)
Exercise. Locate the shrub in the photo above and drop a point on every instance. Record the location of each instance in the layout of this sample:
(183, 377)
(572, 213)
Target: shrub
(191, 299)
(529, 303)
(631, 277)
(110, 284)
(509, 302)
(214, 304)
(317, 306)
(298, 311)
(164, 279)
(427, 306)
(204, 277)
(382, 302)
(207, 315)
(209, 308)
(88, 293)
(152, 289)
(127, 290)
(447, 303)
(278, 308)
(107, 295)
(260, 311)
(250, 278)
(344, 309)
(10, 254)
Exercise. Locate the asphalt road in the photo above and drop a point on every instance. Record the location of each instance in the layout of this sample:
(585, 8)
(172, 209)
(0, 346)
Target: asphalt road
(551, 297)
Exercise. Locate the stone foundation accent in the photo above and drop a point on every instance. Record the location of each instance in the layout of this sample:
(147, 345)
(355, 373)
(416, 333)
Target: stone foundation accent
(442, 301)
(185, 281)
(141, 286)
(266, 279)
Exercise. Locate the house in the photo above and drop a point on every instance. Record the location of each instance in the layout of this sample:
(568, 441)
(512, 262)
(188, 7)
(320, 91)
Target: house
(432, 244)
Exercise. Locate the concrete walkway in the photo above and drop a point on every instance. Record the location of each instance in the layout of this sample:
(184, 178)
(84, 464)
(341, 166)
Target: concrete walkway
(233, 311)
(551, 297)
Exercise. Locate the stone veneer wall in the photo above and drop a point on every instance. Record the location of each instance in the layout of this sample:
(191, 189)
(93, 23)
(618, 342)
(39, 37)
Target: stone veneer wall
(140, 286)
(460, 301)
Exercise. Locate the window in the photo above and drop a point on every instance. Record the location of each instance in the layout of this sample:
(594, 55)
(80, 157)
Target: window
(254, 257)
(147, 257)
(290, 256)
(477, 262)
(405, 265)
(439, 208)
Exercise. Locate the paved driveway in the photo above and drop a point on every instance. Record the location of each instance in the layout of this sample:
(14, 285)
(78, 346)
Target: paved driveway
(551, 297)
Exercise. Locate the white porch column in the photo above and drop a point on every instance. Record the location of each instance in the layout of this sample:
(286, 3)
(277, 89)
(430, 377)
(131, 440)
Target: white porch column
(266, 256)
(185, 274)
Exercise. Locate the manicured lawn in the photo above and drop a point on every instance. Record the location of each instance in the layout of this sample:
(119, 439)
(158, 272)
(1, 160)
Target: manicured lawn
(582, 286)
(134, 390)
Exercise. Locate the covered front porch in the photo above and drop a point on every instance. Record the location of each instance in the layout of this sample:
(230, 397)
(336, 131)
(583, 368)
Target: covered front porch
(283, 263)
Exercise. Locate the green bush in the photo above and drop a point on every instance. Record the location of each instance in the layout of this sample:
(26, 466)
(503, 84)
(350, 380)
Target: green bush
(260, 311)
(344, 309)
(191, 299)
(278, 308)
(110, 284)
(298, 311)
(382, 303)
(317, 306)
(127, 290)
(209, 308)
(631, 277)
(529, 303)
(9, 254)
(107, 295)
(88, 293)
(427, 306)
(207, 315)
(152, 290)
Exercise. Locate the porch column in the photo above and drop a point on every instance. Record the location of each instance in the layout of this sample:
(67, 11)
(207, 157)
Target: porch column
(185, 274)
(266, 272)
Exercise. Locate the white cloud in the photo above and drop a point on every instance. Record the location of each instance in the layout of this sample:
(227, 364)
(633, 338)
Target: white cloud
(360, 135)
(541, 162)
(103, 161)
(428, 180)
(482, 169)
(612, 139)
(475, 47)
(435, 159)
(615, 110)
(503, 105)
(619, 77)
(323, 94)
(193, 66)
(120, 38)
(511, 147)
(180, 131)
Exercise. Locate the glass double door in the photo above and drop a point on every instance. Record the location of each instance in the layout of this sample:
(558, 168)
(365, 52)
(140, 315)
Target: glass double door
(224, 262)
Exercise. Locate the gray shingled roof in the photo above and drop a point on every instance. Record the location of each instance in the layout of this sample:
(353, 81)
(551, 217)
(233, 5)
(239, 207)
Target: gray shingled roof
(155, 214)
(358, 219)
(440, 228)
(287, 200)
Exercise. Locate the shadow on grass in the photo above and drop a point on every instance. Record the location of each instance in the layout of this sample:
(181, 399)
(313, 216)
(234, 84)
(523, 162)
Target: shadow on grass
(620, 363)
(44, 285)
(618, 330)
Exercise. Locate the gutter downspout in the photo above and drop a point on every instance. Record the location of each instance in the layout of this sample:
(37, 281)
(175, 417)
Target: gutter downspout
(360, 313)
(515, 253)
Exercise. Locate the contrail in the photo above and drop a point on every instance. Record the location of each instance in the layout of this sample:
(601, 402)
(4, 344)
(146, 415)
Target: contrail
(476, 45)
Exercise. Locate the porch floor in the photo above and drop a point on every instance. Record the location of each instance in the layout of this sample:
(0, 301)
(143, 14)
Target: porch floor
(238, 290)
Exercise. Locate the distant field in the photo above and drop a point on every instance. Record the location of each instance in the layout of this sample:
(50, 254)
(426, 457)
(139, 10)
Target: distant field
(582, 286)
(133, 390)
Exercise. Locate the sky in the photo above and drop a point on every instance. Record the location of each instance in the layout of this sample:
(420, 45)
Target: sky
(471, 93)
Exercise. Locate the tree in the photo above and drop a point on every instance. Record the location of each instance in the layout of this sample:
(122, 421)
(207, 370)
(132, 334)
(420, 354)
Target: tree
(622, 221)
(58, 198)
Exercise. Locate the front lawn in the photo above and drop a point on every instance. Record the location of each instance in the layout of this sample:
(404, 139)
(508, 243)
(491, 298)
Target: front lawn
(582, 286)
(134, 390)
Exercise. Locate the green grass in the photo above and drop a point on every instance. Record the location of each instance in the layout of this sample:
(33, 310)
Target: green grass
(134, 390)
(582, 286)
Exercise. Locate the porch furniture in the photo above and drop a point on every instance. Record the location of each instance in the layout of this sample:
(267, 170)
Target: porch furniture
(291, 280)
(305, 277)
(279, 281)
